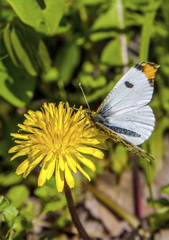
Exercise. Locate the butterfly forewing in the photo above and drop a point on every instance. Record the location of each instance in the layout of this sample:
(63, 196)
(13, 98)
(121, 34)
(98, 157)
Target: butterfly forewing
(132, 91)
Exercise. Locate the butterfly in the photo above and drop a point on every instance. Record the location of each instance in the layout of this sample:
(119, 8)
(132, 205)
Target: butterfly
(124, 114)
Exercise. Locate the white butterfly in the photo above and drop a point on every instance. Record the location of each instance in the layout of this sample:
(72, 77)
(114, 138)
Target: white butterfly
(124, 114)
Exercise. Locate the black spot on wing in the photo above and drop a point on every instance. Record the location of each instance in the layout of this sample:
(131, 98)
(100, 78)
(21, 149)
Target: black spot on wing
(128, 84)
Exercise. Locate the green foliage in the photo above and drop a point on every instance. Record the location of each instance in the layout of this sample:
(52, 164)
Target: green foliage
(4, 203)
(47, 48)
(18, 194)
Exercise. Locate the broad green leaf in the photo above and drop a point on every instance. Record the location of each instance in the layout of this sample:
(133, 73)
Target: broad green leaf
(51, 76)
(9, 214)
(4, 203)
(23, 51)
(9, 178)
(31, 13)
(27, 213)
(88, 81)
(52, 14)
(101, 93)
(106, 25)
(18, 194)
(37, 47)
(56, 206)
(111, 54)
(16, 85)
(28, 11)
(46, 191)
(107, 20)
(95, 36)
(67, 60)
(91, 2)
(165, 189)
(8, 44)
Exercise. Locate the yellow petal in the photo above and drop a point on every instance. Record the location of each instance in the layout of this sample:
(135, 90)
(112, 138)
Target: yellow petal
(19, 135)
(59, 176)
(22, 152)
(71, 162)
(93, 151)
(43, 174)
(51, 169)
(61, 163)
(22, 167)
(28, 170)
(85, 161)
(69, 176)
(16, 148)
(82, 171)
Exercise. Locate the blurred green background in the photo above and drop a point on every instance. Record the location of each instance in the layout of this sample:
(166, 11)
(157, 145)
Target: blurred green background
(47, 48)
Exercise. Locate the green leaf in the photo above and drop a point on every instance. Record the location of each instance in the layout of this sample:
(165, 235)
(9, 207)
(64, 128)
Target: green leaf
(4, 203)
(106, 25)
(111, 54)
(9, 214)
(51, 76)
(165, 190)
(159, 219)
(56, 206)
(16, 85)
(23, 51)
(107, 20)
(46, 192)
(21, 224)
(9, 178)
(89, 81)
(52, 14)
(67, 61)
(159, 203)
(37, 46)
(8, 44)
(101, 93)
(18, 194)
(28, 11)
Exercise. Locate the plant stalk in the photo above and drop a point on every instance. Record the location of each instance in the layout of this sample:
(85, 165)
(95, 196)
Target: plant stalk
(73, 213)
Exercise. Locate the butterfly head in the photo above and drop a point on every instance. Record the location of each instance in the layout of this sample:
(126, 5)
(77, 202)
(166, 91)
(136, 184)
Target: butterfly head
(90, 115)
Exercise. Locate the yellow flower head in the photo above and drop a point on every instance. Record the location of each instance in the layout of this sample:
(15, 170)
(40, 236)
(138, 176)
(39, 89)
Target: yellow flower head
(56, 138)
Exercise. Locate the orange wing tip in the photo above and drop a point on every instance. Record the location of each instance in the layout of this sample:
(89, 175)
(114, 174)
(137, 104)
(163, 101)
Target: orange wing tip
(149, 69)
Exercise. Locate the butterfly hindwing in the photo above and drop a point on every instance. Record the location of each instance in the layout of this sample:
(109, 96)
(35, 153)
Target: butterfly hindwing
(124, 141)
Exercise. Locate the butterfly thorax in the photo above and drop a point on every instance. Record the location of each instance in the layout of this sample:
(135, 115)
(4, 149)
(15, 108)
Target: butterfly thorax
(94, 118)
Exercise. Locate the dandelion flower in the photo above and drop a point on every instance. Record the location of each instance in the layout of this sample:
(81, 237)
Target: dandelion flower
(57, 139)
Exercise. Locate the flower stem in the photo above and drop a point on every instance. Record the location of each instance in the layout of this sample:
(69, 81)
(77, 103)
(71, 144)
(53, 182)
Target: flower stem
(73, 213)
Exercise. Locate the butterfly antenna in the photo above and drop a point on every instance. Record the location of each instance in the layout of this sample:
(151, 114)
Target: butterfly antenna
(74, 108)
(80, 85)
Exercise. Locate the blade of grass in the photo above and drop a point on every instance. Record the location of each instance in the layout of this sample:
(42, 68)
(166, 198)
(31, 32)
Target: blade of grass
(146, 30)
